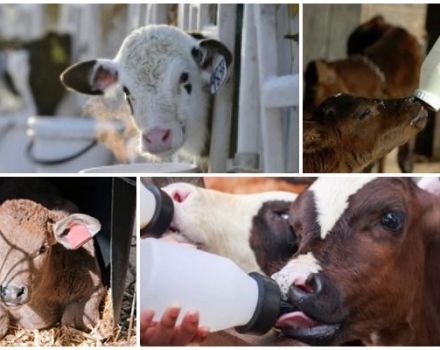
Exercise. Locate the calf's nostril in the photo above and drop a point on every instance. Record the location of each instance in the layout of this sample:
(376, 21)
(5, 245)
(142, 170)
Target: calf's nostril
(21, 292)
(166, 135)
(180, 195)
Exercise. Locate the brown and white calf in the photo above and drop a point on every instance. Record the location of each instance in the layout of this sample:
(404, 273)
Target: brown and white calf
(250, 229)
(348, 133)
(48, 268)
(367, 263)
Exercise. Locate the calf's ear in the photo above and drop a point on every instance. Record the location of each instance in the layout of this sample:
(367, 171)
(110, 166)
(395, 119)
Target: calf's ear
(326, 74)
(312, 137)
(90, 77)
(75, 230)
(214, 58)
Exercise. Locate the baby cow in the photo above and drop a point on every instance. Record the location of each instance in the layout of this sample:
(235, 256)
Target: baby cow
(167, 77)
(367, 263)
(251, 230)
(48, 269)
(348, 133)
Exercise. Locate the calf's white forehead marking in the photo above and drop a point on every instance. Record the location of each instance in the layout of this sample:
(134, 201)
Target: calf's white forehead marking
(331, 198)
(296, 272)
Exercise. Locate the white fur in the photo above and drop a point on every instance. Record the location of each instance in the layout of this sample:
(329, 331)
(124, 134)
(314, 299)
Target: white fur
(149, 63)
(296, 272)
(221, 222)
(331, 198)
(430, 184)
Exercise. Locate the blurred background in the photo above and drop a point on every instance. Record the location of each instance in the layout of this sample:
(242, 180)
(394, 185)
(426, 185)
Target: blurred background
(255, 125)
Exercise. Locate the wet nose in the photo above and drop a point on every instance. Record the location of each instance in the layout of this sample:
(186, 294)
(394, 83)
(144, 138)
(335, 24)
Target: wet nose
(14, 294)
(319, 297)
(179, 192)
(157, 140)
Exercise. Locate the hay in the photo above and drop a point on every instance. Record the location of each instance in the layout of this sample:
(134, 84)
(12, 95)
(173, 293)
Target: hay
(104, 334)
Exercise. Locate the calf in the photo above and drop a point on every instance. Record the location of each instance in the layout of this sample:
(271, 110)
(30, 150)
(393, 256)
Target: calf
(348, 133)
(384, 62)
(48, 270)
(367, 263)
(251, 230)
(167, 77)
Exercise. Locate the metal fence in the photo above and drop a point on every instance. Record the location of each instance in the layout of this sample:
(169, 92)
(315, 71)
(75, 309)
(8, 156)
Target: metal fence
(255, 116)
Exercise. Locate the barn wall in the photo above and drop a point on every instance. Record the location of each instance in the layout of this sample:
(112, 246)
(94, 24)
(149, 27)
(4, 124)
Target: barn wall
(327, 27)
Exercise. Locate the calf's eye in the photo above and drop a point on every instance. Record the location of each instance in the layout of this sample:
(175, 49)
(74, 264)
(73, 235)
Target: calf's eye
(282, 215)
(41, 250)
(184, 77)
(393, 220)
(364, 114)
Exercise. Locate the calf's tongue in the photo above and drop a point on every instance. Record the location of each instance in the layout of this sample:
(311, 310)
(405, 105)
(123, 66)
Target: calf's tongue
(296, 320)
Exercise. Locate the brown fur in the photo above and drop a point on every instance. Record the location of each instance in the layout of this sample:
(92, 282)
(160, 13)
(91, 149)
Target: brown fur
(339, 136)
(64, 285)
(374, 44)
(388, 279)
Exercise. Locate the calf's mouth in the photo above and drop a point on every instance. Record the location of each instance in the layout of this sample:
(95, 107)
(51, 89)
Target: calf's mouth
(176, 235)
(421, 118)
(316, 315)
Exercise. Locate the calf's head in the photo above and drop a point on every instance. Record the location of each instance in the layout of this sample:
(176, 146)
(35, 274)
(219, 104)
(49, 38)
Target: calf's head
(28, 231)
(167, 77)
(360, 130)
(252, 230)
(360, 270)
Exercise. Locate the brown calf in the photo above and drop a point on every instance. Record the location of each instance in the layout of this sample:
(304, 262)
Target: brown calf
(384, 62)
(48, 269)
(348, 133)
(367, 263)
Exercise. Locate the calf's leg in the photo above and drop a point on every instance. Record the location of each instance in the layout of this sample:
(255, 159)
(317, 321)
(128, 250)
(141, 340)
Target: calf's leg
(4, 323)
(83, 313)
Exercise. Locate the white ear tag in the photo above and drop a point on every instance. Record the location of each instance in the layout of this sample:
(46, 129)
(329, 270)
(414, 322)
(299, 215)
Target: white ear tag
(219, 74)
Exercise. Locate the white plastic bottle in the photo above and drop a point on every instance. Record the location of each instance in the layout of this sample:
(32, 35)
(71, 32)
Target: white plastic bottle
(429, 85)
(223, 294)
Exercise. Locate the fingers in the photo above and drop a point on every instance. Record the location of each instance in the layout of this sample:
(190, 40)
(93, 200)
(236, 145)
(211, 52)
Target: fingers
(186, 332)
(163, 332)
(146, 322)
(202, 334)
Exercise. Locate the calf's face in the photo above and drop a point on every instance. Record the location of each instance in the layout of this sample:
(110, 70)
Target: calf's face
(359, 269)
(369, 128)
(167, 77)
(252, 230)
(28, 231)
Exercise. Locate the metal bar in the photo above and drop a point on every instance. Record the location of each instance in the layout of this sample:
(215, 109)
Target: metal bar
(222, 109)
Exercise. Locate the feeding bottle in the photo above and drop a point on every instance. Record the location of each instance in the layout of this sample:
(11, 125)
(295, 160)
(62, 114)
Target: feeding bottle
(156, 210)
(429, 85)
(224, 295)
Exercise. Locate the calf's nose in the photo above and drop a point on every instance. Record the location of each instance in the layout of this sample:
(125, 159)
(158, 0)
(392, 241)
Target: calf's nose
(319, 298)
(157, 140)
(14, 294)
(179, 192)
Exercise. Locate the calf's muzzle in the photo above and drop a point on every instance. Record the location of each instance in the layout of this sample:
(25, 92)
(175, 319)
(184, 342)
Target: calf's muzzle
(14, 295)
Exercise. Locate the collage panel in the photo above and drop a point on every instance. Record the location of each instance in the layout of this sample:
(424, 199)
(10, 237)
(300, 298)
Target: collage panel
(341, 260)
(371, 88)
(68, 261)
(149, 88)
